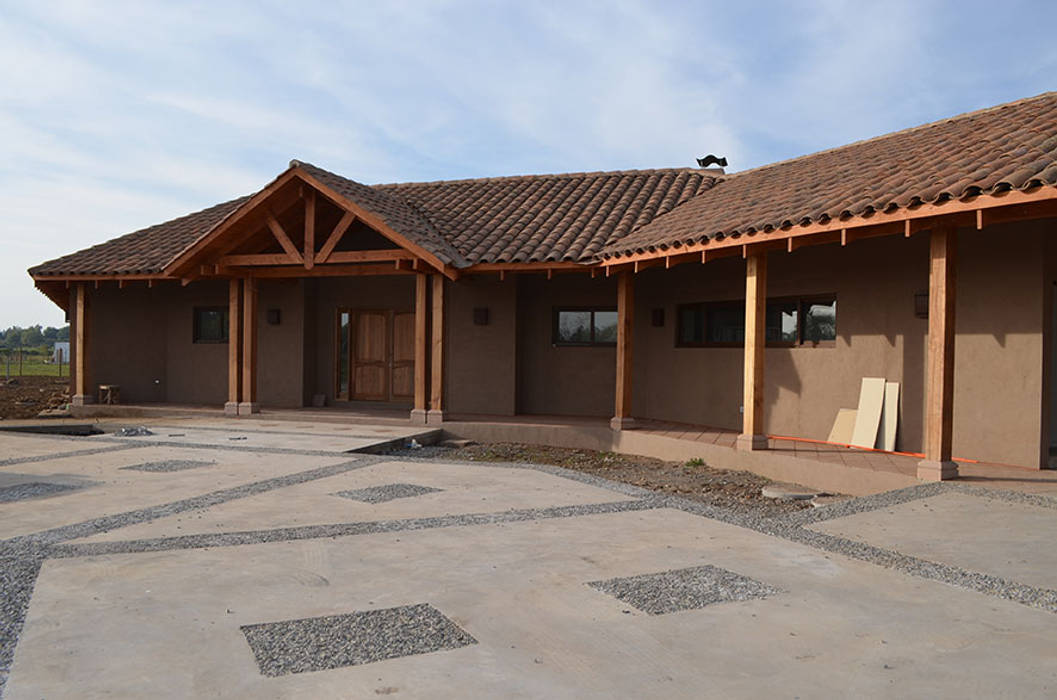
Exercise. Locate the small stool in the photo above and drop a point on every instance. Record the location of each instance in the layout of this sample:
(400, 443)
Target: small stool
(109, 393)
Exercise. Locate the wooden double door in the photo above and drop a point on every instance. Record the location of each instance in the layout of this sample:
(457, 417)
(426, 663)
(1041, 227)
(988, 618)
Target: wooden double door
(376, 355)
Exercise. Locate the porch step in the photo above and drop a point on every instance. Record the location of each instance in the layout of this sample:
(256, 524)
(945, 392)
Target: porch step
(426, 437)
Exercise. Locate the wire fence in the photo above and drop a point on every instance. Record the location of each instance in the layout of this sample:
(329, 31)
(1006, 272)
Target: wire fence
(27, 363)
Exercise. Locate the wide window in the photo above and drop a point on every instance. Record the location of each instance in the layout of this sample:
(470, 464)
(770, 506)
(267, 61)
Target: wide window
(789, 322)
(211, 324)
(585, 326)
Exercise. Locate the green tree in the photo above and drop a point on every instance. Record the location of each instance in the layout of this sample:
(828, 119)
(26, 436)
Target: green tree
(32, 337)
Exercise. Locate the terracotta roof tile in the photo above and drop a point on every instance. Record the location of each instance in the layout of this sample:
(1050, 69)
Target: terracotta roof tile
(1012, 146)
(142, 252)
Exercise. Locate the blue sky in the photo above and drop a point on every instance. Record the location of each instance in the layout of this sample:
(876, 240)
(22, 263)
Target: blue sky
(115, 116)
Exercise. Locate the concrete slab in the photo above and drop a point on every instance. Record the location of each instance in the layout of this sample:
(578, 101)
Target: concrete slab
(461, 489)
(999, 537)
(166, 624)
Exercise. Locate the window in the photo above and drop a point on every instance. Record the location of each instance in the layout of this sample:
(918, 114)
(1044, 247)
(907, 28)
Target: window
(211, 324)
(585, 327)
(789, 322)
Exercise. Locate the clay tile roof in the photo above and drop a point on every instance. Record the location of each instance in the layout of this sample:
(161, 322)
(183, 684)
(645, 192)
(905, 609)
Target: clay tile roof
(1012, 146)
(397, 212)
(145, 251)
(546, 218)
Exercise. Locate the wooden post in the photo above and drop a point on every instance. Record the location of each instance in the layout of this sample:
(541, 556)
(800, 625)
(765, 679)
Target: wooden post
(436, 371)
(418, 413)
(939, 376)
(81, 394)
(249, 403)
(622, 419)
(231, 408)
(752, 436)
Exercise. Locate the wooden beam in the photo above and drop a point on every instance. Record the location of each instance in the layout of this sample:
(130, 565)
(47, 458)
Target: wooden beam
(248, 403)
(418, 413)
(644, 264)
(231, 408)
(256, 259)
(81, 393)
(939, 374)
(284, 240)
(622, 419)
(310, 229)
(290, 271)
(355, 256)
(335, 237)
(752, 436)
(528, 267)
(436, 371)
(719, 253)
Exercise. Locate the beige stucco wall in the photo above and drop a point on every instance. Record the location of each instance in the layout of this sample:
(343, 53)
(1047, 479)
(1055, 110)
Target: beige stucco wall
(196, 373)
(281, 346)
(998, 359)
(562, 380)
(480, 361)
(127, 341)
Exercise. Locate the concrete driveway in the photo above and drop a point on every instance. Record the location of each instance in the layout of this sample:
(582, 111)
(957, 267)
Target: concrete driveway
(188, 564)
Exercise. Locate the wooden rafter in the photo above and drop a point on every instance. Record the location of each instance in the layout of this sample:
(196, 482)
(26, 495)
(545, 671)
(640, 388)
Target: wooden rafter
(280, 235)
(335, 237)
(310, 229)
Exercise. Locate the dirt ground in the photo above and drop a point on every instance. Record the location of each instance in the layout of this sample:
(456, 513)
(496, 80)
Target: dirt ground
(736, 490)
(25, 397)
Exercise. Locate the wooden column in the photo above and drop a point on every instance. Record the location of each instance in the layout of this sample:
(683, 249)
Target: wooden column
(436, 370)
(81, 389)
(622, 419)
(418, 413)
(249, 403)
(231, 407)
(752, 436)
(939, 375)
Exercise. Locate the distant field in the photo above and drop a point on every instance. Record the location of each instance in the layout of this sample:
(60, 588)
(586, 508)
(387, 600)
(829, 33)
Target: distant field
(33, 366)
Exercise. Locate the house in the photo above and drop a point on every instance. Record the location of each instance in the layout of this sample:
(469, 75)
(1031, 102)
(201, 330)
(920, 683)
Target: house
(752, 302)
(60, 352)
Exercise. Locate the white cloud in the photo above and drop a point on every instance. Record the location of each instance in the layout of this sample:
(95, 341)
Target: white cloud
(118, 115)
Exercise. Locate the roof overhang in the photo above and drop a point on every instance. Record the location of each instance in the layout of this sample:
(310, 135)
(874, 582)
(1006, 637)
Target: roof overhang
(979, 211)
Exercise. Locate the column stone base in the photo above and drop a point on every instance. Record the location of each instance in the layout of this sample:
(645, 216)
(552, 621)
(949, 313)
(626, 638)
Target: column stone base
(434, 416)
(622, 423)
(752, 443)
(932, 470)
(418, 416)
(231, 408)
(249, 407)
(82, 399)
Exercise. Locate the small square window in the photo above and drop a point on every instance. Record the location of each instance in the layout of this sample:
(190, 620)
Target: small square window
(210, 324)
(585, 327)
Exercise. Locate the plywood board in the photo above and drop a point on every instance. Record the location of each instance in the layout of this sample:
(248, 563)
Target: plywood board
(843, 427)
(889, 417)
(868, 418)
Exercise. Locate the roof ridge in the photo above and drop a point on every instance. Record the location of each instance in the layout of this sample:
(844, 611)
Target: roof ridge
(506, 178)
(891, 134)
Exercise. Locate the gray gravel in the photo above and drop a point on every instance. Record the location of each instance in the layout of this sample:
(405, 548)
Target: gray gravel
(683, 589)
(334, 641)
(17, 578)
(169, 465)
(387, 492)
(288, 534)
(33, 489)
(64, 455)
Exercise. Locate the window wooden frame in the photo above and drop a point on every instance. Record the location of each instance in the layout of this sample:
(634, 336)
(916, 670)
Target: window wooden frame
(800, 302)
(196, 325)
(558, 310)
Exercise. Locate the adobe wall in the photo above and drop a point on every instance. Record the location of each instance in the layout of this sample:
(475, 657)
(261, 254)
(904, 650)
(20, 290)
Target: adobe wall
(480, 361)
(998, 358)
(556, 380)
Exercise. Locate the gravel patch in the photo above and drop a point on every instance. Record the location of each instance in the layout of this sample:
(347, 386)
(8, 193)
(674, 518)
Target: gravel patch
(387, 492)
(683, 589)
(306, 532)
(134, 431)
(111, 522)
(169, 465)
(17, 578)
(33, 489)
(866, 504)
(335, 641)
